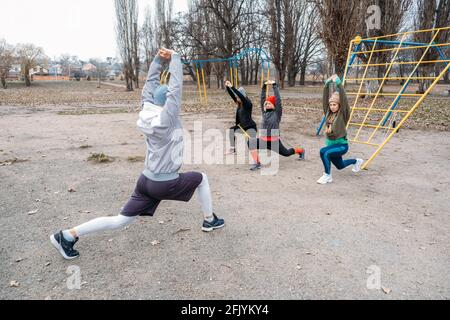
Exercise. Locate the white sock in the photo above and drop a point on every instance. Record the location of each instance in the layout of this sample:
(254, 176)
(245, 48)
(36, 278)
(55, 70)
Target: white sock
(100, 224)
(204, 196)
(68, 236)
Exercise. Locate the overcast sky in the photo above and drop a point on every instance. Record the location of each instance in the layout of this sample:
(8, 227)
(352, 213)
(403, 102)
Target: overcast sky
(79, 27)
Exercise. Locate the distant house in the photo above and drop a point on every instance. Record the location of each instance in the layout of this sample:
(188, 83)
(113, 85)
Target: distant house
(15, 72)
(111, 75)
(38, 71)
(89, 68)
(56, 70)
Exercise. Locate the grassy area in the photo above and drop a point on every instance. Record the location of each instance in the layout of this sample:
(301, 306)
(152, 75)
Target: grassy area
(73, 93)
(84, 98)
(99, 158)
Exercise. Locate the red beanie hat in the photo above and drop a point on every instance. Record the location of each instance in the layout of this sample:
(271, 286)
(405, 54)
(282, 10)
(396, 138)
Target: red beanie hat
(271, 99)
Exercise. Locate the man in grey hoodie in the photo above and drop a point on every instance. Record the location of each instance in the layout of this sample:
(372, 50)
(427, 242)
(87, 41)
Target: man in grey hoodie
(160, 122)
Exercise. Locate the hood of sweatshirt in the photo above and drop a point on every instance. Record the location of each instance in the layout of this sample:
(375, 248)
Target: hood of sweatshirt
(149, 118)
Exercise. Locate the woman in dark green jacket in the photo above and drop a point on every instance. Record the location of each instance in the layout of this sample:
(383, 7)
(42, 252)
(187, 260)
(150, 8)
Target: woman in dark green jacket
(337, 115)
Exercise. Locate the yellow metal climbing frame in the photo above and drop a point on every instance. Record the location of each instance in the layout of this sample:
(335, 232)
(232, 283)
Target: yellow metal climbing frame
(368, 123)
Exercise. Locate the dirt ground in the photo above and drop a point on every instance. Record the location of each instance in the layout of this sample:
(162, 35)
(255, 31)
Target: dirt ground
(286, 237)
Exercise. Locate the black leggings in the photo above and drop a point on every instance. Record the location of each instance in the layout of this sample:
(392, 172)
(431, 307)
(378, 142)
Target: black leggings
(251, 131)
(277, 146)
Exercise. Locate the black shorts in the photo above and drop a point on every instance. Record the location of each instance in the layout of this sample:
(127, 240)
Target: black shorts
(148, 193)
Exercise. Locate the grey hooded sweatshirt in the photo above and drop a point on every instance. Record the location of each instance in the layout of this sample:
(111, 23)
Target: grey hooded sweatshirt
(162, 125)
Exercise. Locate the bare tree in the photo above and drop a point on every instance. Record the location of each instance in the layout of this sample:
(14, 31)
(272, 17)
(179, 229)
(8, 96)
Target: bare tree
(163, 23)
(6, 61)
(222, 28)
(29, 56)
(392, 19)
(101, 69)
(128, 39)
(148, 38)
(431, 14)
(339, 23)
(281, 30)
(306, 42)
(65, 61)
(219, 34)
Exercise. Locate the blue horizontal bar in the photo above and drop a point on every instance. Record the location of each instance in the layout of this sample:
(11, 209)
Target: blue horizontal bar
(406, 43)
(236, 57)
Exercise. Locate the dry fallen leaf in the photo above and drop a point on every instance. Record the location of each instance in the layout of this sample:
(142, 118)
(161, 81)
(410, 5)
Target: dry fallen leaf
(181, 230)
(386, 290)
(14, 284)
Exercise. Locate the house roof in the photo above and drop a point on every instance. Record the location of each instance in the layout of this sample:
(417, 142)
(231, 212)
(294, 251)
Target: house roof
(89, 67)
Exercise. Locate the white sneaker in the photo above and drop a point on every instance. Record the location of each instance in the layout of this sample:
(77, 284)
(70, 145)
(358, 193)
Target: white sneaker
(326, 178)
(357, 165)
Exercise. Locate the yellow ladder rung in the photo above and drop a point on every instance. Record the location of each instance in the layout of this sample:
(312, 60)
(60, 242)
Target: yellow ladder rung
(393, 78)
(364, 142)
(408, 32)
(369, 126)
(385, 94)
(398, 63)
(380, 110)
(405, 48)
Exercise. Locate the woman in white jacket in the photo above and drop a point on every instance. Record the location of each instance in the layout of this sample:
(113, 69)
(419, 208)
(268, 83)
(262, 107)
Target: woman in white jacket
(160, 122)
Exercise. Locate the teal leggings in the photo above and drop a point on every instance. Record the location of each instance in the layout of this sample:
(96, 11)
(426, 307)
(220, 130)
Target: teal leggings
(333, 154)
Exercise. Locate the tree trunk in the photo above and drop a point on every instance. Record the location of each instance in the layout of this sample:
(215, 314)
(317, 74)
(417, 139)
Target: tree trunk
(291, 78)
(4, 84)
(27, 77)
(129, 78)
(302, 75)
(340, 66)
(136, 78)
